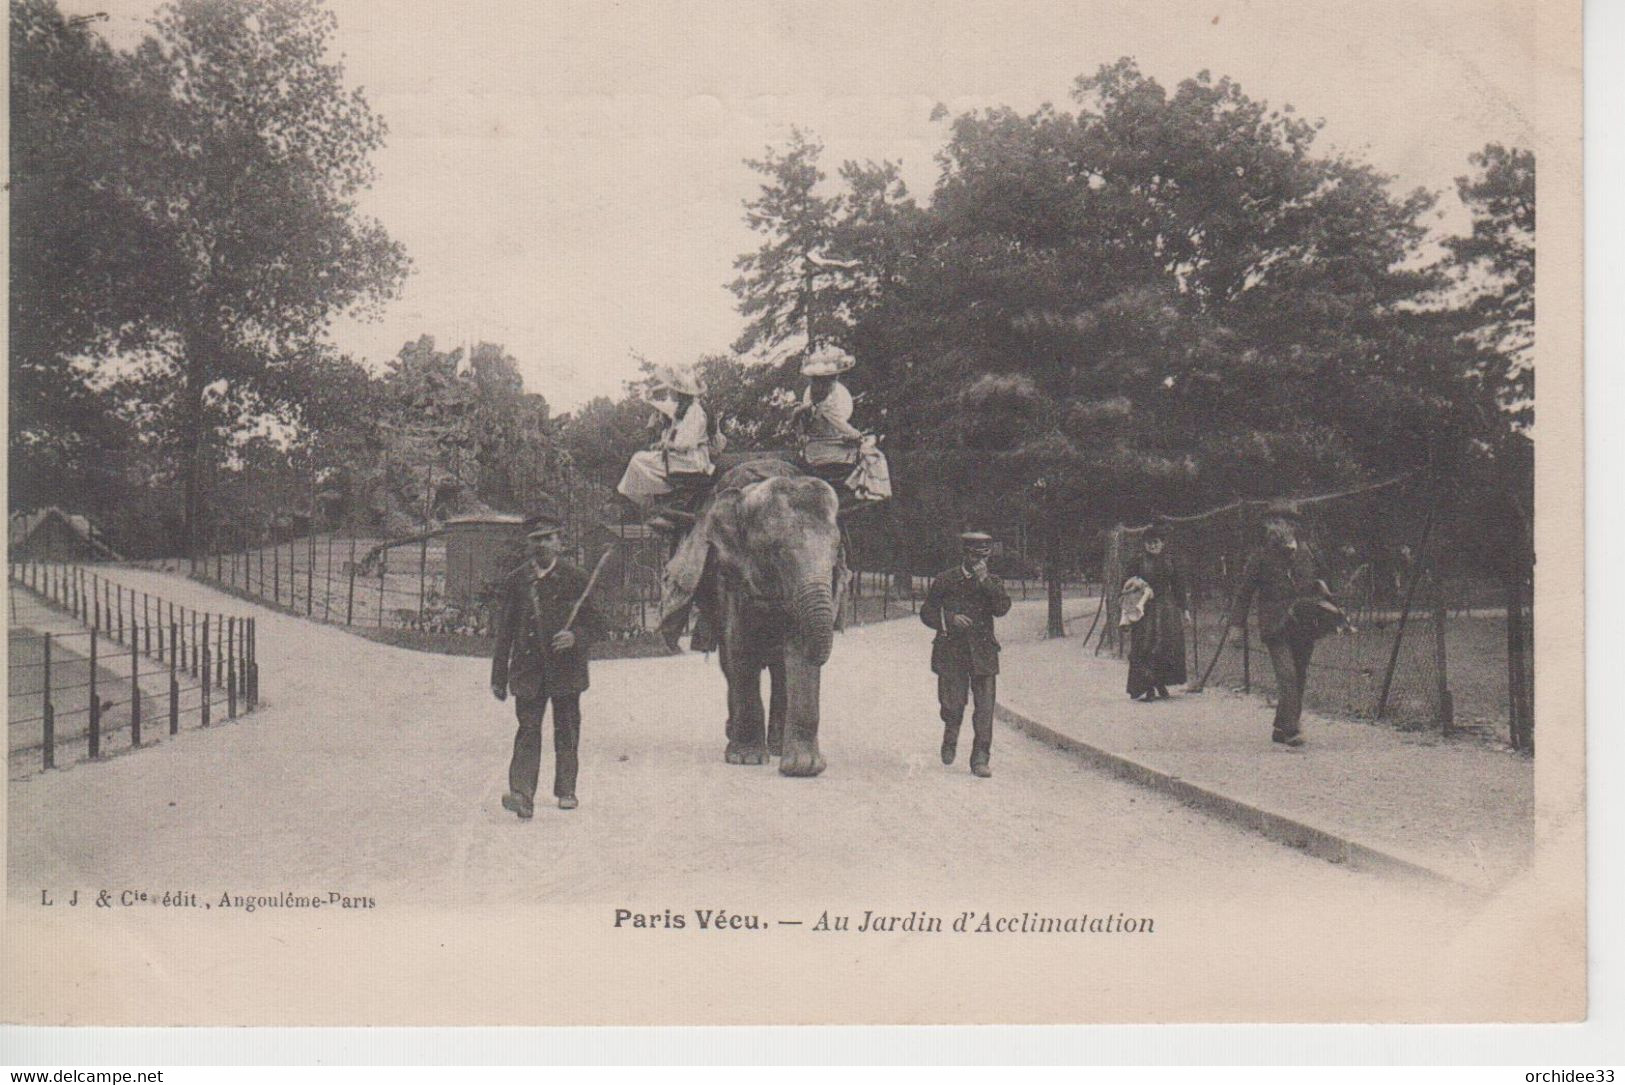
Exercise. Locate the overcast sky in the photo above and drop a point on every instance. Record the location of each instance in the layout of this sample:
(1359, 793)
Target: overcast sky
(568, 176)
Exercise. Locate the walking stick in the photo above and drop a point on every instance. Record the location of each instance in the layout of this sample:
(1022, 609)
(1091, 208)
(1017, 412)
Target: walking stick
(1098, 611)
(1202, 684)
(591, 580)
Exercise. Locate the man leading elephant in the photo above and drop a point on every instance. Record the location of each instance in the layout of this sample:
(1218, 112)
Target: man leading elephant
(961, 606)
(539, 660)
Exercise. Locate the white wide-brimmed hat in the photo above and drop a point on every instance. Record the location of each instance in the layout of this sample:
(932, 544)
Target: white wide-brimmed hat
(827, 361)
(679, 380)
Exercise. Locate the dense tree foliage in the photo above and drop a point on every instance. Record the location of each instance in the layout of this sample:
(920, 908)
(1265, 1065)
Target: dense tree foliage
(207, 209)
(1150, 301)
(1496, 265)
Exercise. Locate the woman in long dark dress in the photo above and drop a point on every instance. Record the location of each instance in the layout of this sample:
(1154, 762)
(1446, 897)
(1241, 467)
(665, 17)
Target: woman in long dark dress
(1156, 656)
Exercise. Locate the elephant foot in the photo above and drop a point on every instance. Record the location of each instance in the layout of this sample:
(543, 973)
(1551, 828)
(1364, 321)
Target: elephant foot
(740, 753)
(801, 759)
(775, 743)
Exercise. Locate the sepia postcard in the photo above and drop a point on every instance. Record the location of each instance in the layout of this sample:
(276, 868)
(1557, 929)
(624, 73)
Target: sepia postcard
(794, 513)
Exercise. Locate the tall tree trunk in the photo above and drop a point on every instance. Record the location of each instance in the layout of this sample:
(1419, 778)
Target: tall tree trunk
(1517, 700)
(192, 455)
(1052, 577)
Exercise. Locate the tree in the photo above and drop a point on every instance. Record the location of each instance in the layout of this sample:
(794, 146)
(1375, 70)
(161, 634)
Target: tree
(599, 436)
(1156, 301)
(778, 285)
(1494, 267)
(1212, 307)
(513, 437)
(79, 249)
(1495, 264)
(251, 152)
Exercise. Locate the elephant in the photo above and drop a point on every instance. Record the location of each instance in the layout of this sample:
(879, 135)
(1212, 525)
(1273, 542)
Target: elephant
(774, 565)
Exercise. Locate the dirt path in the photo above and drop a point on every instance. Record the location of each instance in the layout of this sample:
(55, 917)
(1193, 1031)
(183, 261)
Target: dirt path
(375, 770)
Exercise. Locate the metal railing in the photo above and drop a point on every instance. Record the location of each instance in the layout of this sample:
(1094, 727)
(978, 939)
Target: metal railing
(207, 662)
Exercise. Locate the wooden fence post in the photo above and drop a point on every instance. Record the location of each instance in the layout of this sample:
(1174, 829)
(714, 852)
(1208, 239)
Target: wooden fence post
(310, 571)
(1247, 661)
(423, 576)
(383, 568)
(204, 677)
(231, 669)
(1516, 699)
(349, 603)
(1399, 636)
(135, 691)
(1418, 570)
(1446, 702)
(254, 662)
(95, 702)
(48, 739)
(174, 682)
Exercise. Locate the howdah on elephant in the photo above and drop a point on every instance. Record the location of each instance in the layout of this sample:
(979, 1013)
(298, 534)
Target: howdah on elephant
(770, 547)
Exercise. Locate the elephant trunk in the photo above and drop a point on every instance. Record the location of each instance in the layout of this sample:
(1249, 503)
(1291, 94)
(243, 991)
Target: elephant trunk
(814, 613)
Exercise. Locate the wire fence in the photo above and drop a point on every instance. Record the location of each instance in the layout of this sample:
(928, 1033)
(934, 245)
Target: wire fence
(137, 663)
(427, 583)
(438, 583)
(1428, 646)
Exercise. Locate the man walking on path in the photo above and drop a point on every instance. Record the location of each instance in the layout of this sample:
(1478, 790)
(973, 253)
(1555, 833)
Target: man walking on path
(538, 659)
(961, 606)
(1282, 575)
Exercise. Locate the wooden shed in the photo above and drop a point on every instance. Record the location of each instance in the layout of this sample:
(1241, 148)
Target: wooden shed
(480, 551)
(54, 535)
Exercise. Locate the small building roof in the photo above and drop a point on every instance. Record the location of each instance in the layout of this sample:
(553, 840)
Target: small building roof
(22, 526)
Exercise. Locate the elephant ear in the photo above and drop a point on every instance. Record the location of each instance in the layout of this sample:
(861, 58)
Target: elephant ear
(841, 578)
(720, 528)
(715, 530)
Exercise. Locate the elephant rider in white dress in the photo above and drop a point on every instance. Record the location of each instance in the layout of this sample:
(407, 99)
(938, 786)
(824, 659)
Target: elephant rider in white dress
(832, 447)
(680, 460)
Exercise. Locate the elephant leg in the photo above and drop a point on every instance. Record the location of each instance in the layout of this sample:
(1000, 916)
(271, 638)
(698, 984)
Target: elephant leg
(725, 657)
(747, 743)
(801, 756)
(777, 707)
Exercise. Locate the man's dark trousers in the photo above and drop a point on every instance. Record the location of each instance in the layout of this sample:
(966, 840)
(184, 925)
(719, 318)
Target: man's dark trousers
(953, 691)
(1289, 653)
(525, 768)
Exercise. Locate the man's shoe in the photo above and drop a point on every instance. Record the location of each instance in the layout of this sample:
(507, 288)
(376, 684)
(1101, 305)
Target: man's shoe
(568, 802)
(1294, 739)
(979, 768)
(519, 805)
(949, 748)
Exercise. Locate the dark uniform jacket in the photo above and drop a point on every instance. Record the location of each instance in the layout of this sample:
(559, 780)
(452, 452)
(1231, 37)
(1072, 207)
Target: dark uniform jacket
(524, 661)
(974, 650)
(1278, 578)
